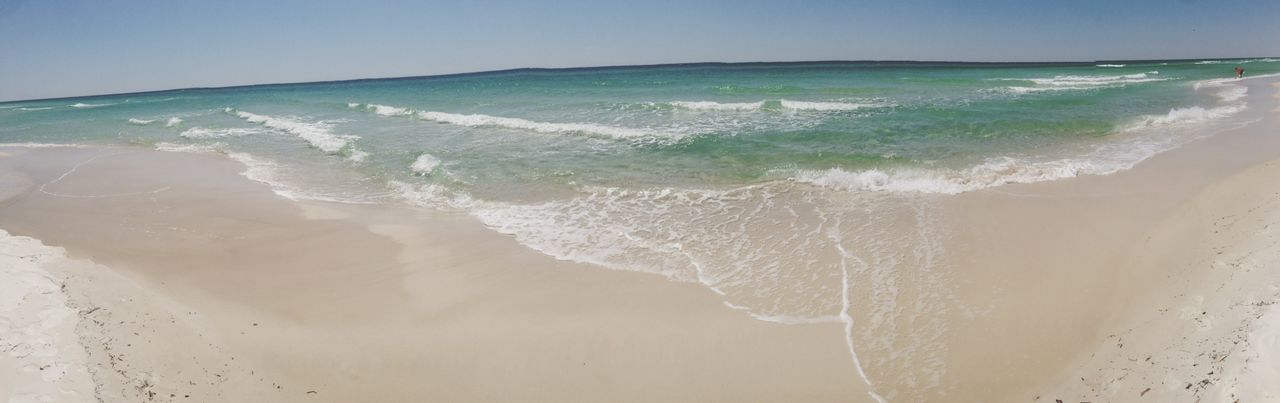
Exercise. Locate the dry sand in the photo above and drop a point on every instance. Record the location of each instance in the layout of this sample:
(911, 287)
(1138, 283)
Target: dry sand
(189, 282)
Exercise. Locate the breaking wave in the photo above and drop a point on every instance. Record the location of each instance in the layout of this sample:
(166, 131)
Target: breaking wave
(317, 134)
(80, 105)
(1075, 82)
(1139, 141)
(424, 164)
(480, 120)
(785, 104)
(206, 133)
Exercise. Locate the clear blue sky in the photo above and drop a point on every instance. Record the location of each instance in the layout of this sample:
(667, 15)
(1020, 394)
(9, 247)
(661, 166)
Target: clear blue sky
(54, 48)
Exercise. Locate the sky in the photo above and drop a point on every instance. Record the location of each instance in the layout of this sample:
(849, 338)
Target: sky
(60, 48)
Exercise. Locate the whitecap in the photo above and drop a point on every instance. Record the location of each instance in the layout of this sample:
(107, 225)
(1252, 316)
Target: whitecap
(718, 106)
(80, 105)
(208, 133)
(826, 105)
(481, 120)
(424, 164)
(317, 134)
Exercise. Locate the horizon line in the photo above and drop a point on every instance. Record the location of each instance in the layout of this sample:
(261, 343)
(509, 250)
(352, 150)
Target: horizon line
(618, 67)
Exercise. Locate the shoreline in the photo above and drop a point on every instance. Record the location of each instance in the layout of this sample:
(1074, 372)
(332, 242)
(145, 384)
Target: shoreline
(279, 291)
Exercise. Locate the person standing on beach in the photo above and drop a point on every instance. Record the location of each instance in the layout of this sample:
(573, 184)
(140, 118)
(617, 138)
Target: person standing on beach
(1239, 72)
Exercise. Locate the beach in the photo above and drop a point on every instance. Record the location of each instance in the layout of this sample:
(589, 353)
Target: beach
(164, 274)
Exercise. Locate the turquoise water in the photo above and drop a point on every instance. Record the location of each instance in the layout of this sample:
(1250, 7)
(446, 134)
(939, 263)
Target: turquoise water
(798, 192)
(683, 126)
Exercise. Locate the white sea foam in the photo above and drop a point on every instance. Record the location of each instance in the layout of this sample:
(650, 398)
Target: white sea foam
(81, 105)
(1188, 115)
(718, 106)
(137, 121)
(480, 120)
(317, 134)
(265, 171)
(207, 133)
(826, 105)
(353, 105)
(780, 251)
(819, 106)
(44, 108)
(1143, 138)
(1076, 82)
(42, 145)
(1210, 62)
(191, 148)
(1232, 93)
(1069, 80)
(432, 196)
(357, 155)
(384, 110)
(1110, 65)
(993, 172)
(592, 129)
(173, 121)
(424, 164)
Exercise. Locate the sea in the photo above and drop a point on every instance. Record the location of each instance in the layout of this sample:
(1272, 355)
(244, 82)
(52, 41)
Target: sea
(799, 192)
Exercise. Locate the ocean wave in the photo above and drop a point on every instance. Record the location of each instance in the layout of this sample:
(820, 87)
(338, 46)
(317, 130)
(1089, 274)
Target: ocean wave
(826, 105)
(1109, 65)
(1247, 61)
(317, 134)
(174, 121)
(40, 108)
(1077, 82)
(480, 120)
(432, 196)
(137, 121)
(994, 172)
(1139, 142)
(590, 129)
(81, 105)
(1030, 90)
(820, 106)
(1071, 80)
(424, 164)
(718, 106)
(206, 133)
(272, 174)
(1188, 115)
(384, 110)
(266, 172)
